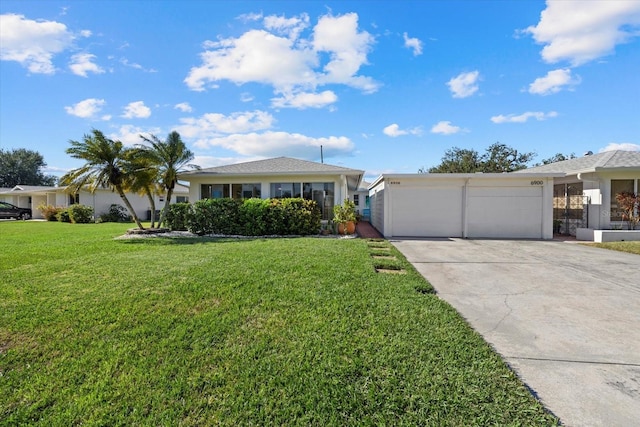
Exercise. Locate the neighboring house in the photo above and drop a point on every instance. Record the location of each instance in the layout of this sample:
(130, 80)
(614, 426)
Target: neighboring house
(28, 196)
(466, 205)
(584, 196)
(276, 178)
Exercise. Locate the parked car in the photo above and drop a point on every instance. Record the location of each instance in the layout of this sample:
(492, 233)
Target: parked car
(7, 210)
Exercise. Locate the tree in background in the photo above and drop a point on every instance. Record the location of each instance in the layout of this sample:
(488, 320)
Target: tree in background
(106, 165)
(497, 158)
(23, 167)
(558, 157)
(169, 158)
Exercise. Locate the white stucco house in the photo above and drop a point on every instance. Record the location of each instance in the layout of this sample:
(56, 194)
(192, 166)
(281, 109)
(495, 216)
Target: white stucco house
(584, 194)
(28, 196)
(278, 177)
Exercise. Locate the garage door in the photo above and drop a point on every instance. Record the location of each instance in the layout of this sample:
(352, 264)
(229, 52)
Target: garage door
(427, 212)
(504, 212)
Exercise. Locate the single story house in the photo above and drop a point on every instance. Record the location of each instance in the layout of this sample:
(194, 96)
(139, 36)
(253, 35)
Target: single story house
(279, 177)
(584, 194)
(29, 196)
(466, 205)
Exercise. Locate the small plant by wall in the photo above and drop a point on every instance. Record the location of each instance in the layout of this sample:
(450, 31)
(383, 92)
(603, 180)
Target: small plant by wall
(49, 212)
(80, 214)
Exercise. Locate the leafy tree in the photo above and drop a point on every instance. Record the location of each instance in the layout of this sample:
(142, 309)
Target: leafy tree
(105, 165)
(169, 158)
(457, 160)
(558, 157)
(497, 158)
(22, 166)
(629, 203)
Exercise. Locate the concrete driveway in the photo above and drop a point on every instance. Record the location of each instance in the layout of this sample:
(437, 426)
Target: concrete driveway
(564, 316)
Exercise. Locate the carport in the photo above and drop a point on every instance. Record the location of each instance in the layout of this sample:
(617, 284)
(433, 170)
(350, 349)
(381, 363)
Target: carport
(479, 205)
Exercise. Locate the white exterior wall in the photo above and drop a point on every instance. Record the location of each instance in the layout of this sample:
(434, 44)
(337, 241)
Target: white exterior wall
(377, 203)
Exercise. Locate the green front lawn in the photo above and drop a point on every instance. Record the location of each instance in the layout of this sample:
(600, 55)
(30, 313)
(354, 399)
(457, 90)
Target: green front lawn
(190, 332)
(631, 247)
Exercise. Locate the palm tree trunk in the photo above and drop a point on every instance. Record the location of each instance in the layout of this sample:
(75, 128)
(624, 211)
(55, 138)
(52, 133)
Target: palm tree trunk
(167, 202)
(129, 207)
(152, 204)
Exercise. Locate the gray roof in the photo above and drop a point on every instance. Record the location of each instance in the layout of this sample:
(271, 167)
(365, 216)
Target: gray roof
(278, 165)
(34, 188)
(608, 160)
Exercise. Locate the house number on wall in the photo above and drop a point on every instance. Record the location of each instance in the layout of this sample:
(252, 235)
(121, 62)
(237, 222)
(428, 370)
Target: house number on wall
(537, 182)
(394, 182)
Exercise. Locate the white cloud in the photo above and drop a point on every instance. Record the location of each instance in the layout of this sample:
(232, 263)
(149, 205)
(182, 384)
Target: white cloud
(581, 31)
(136, 66)
(184, 107)
(136, 110)
(522, 118)
(33, 44)
(446, 128)
(81, 63)
(87, 109)
(213, 125)
(413, 44)
(553, 82)
(271, 144)
(290, 27)
(464, 84)
(305, 100)
(624, 146)
(130, 135)
(393, 130)
(246, 97)
(291, 64)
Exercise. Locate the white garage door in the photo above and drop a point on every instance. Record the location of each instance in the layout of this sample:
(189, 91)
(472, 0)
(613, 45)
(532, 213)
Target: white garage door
(427, 212)
(504, 212)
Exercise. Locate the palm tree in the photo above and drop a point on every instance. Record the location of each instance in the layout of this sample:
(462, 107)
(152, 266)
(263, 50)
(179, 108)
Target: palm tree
(105, 166)
(170, 157)
(141, 178)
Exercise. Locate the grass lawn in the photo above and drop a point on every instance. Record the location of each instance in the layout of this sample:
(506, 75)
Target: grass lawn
(200, 332)
(632, 247)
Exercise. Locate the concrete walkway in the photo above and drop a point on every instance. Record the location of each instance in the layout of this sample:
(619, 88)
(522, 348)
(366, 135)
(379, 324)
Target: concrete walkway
(564, 316)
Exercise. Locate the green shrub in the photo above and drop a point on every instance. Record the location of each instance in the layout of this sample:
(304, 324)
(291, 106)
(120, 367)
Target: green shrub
(215, 216)
(116, 213)
(49, 212)
(177, 216)
(63, 215)
(254, 217)
(80, 214)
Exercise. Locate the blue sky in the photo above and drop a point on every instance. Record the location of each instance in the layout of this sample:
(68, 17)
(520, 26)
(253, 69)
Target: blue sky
(384, 86)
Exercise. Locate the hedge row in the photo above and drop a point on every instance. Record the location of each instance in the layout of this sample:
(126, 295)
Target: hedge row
(248, 217)
(77, 214)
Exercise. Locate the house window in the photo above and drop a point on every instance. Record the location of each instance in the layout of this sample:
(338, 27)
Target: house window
(245, 191)
(74, 199)
(214, 191)
(281, 190)
(619, 186)
(356, 199)
(182, 199)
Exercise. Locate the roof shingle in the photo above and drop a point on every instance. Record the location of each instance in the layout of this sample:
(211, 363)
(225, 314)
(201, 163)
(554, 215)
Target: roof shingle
(607, 160)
